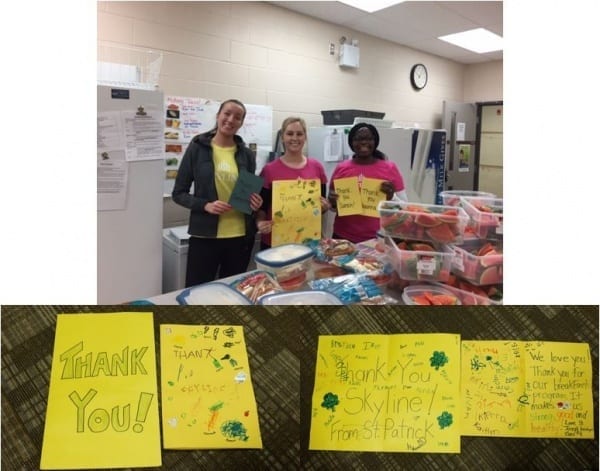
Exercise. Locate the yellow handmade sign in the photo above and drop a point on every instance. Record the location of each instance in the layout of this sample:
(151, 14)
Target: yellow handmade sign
(296, 209)
(349, 199)
(358, 197)
(371, 195)
(395, 393)
(527, 389)
(102, 403)
(206, 388)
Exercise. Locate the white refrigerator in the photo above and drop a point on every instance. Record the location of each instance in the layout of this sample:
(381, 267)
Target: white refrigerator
(129, 231)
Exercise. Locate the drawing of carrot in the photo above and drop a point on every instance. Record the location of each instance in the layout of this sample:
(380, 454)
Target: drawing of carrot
(214, 413)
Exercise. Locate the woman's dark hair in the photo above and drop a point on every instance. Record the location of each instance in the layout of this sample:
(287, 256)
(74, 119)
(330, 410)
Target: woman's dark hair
(352, 134)
(231, 100)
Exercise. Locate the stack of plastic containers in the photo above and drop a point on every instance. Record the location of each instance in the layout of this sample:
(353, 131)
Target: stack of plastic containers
(417, 240)
(455, 246)
(477, 264)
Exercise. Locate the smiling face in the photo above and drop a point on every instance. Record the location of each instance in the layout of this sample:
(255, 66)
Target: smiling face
(294, 137)
(363, 143)
(230, 118)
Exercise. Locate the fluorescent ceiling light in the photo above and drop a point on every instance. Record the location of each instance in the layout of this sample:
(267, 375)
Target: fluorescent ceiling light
(477, 40)
(371, 5)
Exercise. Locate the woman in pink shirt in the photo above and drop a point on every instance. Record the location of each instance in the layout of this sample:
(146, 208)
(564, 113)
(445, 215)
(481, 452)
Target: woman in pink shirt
(293, 164)
(367, 162)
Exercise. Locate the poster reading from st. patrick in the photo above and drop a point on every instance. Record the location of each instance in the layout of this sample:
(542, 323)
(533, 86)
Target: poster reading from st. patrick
(296, 209)
(395, 393)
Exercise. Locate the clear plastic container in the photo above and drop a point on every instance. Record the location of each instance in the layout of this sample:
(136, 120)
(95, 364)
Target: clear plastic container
(289, 263)
(301, 298)
(214, 293)
(452, 197)
(419, 221)
(469, 298)
(256, 284)
(429, 295)
(479, 261)
(485, 215)
(417, 262)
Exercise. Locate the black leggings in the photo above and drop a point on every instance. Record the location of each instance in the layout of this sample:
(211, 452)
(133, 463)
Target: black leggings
(209, 258)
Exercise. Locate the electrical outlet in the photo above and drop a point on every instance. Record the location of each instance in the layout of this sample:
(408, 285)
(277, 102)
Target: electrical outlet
(331, 49)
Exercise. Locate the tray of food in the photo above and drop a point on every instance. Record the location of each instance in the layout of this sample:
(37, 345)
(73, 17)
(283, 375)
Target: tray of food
(256, 284)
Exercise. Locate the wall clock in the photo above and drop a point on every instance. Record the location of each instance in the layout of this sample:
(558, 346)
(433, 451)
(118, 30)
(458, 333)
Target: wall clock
(418, 76)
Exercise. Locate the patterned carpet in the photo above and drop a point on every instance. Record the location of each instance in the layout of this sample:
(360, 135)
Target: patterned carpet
(282, 342)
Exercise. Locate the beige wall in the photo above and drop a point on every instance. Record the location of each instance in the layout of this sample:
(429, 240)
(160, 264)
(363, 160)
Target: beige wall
(266, 55)
(483, 82)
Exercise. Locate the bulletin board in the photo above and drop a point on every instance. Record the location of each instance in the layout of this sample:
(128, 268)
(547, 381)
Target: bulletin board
(186, 117)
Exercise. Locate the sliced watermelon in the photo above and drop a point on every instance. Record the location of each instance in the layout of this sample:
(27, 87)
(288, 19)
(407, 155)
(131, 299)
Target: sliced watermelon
(491, 259)
(441, 233)
(427, 220)
(484, 249)
(446, 299)
(421, 246)
(432, 299)
(449, 216)
(490, 276)
(421, 300)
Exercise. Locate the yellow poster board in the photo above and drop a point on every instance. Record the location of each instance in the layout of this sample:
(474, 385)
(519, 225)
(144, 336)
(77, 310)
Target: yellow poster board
(397, 393)
(296, 209)
(527, 389)
(349, 199)
(206, 388)
(102, 403)
(358, 196)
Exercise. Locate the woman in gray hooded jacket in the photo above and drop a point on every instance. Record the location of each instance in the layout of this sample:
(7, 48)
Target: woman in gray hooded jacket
(221, 237)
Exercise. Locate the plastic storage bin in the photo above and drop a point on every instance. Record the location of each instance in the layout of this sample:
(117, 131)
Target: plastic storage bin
(485, 216)
(429, 295)
(421, 265)
(301, 298)
(419, 221)
(452, 197)
(479, 262)
(347, 116)
(289, 263)
(212, 293)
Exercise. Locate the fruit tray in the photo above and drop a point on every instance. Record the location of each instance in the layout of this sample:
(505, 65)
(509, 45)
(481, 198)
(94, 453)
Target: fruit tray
(418, 221)
(479, 262)
(485, 216)
(423, 261)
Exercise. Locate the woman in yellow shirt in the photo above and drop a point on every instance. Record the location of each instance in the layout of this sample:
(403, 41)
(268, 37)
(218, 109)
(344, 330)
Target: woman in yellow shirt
(221, 237)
